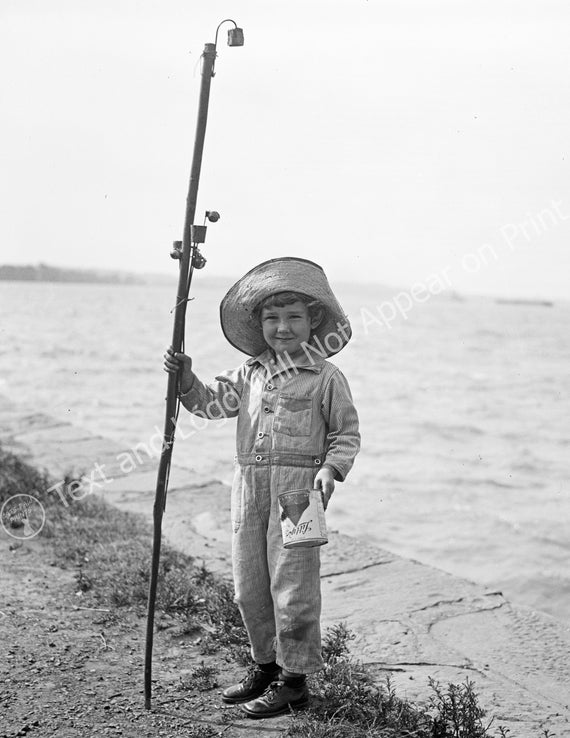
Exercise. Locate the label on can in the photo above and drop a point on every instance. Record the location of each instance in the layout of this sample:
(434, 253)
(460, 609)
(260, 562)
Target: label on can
(302, 518)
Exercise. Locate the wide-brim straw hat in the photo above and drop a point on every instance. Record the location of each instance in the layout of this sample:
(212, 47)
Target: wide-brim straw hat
(241, 325)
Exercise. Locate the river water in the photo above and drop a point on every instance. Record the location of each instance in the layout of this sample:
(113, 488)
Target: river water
(463, 405)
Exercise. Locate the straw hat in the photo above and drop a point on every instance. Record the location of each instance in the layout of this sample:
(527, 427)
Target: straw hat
(287, 274)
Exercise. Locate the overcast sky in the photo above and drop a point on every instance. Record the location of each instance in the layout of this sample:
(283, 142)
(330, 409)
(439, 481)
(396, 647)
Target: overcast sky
(389, 141)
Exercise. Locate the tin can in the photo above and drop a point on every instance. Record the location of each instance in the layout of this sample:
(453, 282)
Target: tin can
(302, 518)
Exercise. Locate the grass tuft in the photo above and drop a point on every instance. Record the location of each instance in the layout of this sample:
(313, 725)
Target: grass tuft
(335, 643)
(457, 711)
(202, 678)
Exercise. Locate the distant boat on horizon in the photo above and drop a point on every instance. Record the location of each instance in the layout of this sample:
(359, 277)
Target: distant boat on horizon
(523, 301)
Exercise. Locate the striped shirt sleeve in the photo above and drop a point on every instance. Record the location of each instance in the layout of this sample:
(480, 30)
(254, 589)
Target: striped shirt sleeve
(343, 438)
(218, 399)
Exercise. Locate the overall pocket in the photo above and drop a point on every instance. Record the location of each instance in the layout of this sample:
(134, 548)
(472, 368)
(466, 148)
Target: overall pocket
(293, 415)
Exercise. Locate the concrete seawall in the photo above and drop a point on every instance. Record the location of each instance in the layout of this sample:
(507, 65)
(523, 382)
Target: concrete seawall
(411, 621)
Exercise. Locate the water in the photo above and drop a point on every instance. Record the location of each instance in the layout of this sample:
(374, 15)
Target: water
(464, 414)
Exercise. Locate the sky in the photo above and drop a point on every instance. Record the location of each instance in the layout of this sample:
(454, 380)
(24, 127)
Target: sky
(394, 142)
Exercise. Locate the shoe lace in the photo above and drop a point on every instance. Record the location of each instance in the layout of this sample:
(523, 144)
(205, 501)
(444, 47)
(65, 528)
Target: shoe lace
(272, 690)
(249, 676)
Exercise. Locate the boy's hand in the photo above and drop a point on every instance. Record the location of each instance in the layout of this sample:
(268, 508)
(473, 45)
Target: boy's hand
(325, 482)
(176, 362)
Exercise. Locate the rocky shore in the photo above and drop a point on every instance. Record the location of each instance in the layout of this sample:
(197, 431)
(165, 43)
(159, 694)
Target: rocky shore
(411, 621)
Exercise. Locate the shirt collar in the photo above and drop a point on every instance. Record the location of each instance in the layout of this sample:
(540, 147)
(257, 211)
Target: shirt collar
(309, 360)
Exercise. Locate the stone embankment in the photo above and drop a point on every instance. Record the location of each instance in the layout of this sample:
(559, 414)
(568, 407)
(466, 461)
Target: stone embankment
(411, 621)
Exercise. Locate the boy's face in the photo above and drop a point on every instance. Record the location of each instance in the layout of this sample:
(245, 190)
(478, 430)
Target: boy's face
(286, 328)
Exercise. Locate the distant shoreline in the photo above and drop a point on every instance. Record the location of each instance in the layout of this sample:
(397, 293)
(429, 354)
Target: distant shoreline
(46, 273)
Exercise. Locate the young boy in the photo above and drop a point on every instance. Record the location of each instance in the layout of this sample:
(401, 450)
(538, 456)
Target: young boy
(297, 428)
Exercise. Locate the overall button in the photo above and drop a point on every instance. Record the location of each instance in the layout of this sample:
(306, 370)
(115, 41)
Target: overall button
(269, 386)
(266, 409)
(317, 461)
(259, 458)
(260, 434)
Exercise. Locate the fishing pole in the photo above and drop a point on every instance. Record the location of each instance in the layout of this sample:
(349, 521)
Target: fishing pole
(187, 252)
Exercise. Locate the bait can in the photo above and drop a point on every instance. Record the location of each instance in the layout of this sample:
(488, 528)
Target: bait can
(302, 518)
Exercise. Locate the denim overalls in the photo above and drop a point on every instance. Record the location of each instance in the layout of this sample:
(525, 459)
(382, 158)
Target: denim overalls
(292, 419)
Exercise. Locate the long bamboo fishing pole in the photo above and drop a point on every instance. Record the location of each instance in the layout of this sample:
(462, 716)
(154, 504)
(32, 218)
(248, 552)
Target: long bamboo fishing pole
(190, 258)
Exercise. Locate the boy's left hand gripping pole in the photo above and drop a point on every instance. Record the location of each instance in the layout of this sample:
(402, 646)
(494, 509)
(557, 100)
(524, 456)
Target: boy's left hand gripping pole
(186, 268)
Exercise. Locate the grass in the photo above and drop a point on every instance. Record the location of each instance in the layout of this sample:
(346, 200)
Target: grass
(349, 704)
(110, 551)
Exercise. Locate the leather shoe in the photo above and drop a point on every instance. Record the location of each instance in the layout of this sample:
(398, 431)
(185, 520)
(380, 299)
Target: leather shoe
(277, 699)
(252, 685)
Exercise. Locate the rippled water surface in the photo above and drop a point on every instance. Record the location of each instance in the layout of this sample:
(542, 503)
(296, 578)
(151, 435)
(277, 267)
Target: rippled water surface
(464, 410)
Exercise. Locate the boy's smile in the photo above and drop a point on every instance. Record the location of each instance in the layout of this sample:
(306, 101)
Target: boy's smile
(286, 328)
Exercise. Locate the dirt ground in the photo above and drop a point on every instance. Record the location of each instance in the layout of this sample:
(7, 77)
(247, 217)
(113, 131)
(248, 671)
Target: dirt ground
(70, 670)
